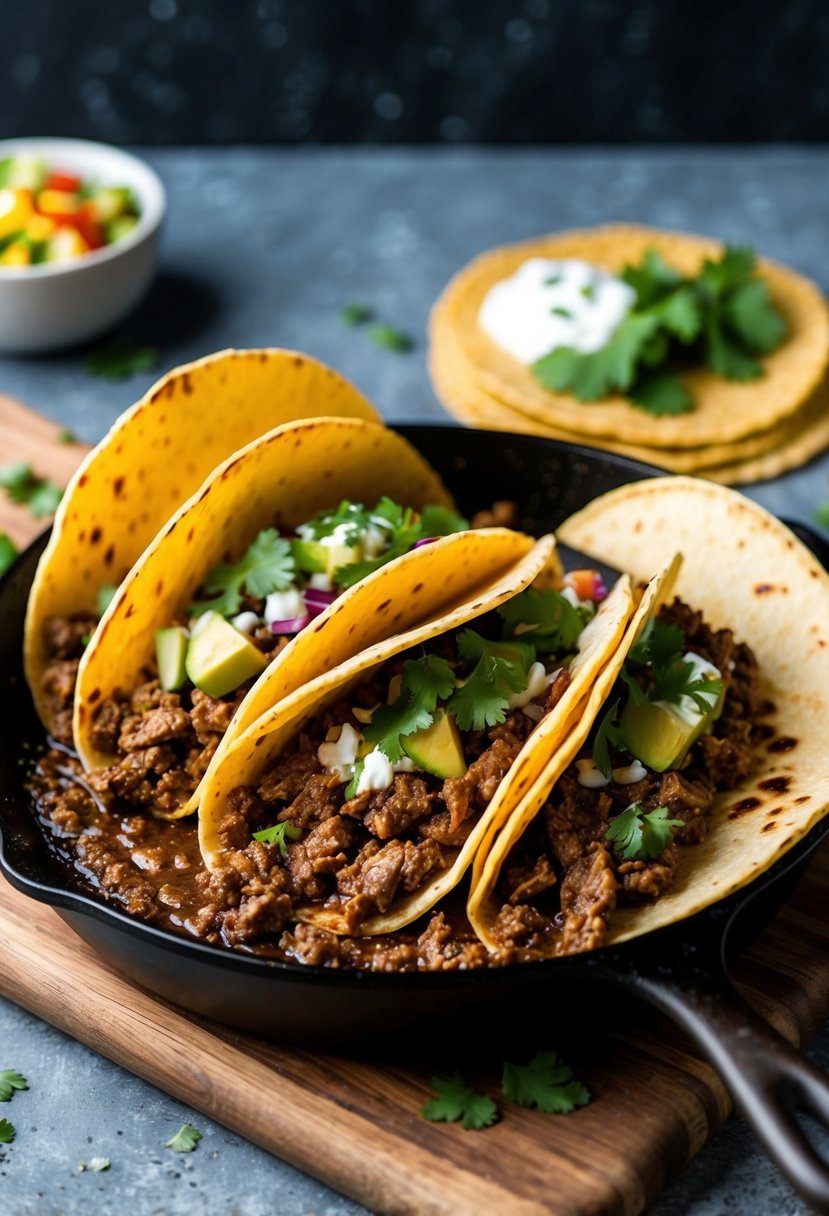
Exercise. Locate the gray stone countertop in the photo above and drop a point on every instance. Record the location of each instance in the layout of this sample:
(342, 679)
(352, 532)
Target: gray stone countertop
(263, 247)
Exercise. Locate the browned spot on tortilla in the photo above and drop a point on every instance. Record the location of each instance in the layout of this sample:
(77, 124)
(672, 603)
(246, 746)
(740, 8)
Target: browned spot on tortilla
(83, 479)
(743, 807)
(320, 625)
(109, 555)
(351, 628)
(741, 544)
(784, 744)
(769, 827)
(637, 527)
(417, 587)
(763, 731)
(766, 708)
(803, 798)
(118, 486)
(778, 810)
(95, 535)
(94, 696)
(82, 534)
(382, 607)
(767, 588)
(130, 610)
(190, 535)
(778, 785)
(159, 587)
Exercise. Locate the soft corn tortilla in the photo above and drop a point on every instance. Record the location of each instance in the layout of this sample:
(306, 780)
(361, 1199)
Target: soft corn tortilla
(505, 831)
(725, 410)
(279, 480)
(262, 744)
(153, 458)
(765, 454)
(747, 572)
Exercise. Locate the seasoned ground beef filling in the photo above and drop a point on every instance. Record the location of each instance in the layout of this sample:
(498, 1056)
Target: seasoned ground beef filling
(558, 889)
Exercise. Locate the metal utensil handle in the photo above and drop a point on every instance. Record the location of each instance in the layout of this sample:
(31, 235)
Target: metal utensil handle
(767, 1078)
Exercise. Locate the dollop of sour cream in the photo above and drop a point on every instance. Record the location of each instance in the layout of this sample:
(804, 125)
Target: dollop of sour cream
(547, 304)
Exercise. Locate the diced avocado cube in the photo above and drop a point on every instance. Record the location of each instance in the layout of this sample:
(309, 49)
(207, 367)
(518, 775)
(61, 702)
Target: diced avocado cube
(112, 202)
(23, 173)
(220, 658)
(171, 653)
(342, 555)
(658, 736)
(310, 556)
(117, 229)
(437, 749)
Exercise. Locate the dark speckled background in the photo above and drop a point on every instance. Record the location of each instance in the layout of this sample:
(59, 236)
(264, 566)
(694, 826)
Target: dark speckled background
(493, 71)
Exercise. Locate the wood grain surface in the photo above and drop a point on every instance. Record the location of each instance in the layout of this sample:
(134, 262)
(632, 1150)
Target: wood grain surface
(355, 1124)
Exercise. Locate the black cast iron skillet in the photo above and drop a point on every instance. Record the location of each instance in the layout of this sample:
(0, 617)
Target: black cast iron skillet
(681, 969)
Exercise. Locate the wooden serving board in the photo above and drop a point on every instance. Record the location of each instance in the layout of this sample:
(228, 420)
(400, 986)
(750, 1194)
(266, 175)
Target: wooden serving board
(356, 1125)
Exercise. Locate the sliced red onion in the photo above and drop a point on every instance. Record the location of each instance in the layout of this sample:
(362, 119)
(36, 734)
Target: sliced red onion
(292, 625)
(313, 596)
(599, 589)
(427, 540)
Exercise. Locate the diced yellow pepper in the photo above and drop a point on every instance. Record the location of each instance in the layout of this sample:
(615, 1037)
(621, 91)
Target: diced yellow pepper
(40, 228)
(67, 243)
(15, 210)
(16, 254)
(57, 203)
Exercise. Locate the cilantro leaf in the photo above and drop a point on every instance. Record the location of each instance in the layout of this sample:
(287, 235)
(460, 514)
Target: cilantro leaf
(663, 395)
(660, 648)
(608, 734)
(592, 375)
(66, 436)
(105, 596)
(278, 834)
(440, 521)
(9, 1082)
(425, 682)
(185, 1140)
(726, 356)
(390, 338)
(120, 360)
(658, 644)
(483, 698)
(680, 314)
(456, 1101)
(7, 1132)
(638, 835)
(545, 1083)
(24, 487)
(8, 552)
(267, 566)
(545, 618)
(356, 313)
(356, 774)
(652, 279)
(749, 312)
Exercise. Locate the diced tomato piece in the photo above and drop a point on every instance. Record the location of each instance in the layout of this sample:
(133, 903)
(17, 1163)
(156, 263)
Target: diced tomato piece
(87, 225)
(583, 582)
(63, 181)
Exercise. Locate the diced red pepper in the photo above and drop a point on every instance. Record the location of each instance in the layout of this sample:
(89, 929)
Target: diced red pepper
(63, 181)
(88, 226)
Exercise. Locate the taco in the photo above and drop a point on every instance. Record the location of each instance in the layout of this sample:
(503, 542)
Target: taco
(361, 800)
(700, 758)
(196, 643)
(153, 458)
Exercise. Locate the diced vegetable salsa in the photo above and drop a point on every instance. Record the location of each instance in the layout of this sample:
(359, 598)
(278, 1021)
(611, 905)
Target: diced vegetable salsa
(47, 215)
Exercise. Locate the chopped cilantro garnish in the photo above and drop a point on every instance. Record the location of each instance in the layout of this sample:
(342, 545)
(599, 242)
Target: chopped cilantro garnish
(545, 1084)
(279, 834)
(483, 698)
(638, 835)
(425, 682)
(8, 552)
(723, 317)
(66, 436)
(105, 596)
(119, 361)
(402, 526)
(267, 566)
(558, 311)
(456, 1101)
(545, 618)
(185, 1140)
(660, 648)
(607, 735)
(356, 774)
(23, 486)
(10, 1081)
(356, 313)
(390, 338)
(440, 521)
(7, 1132)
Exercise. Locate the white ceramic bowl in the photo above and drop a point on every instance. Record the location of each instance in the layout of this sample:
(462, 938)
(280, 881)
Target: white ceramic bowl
(49, 306)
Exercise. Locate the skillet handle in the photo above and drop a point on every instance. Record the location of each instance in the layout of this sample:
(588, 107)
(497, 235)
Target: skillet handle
(767, 1078)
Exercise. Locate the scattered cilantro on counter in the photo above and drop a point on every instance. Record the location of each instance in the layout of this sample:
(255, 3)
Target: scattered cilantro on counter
(822, 515)
(457, 1102)
(10, 1080)
(267, 566)
(7, 1131)
(8, 552)
(638, 835)
(278, 834)
(545, 1083)
(722, 318)
(24, 487)
(390, 338)
(66, 436)
(356, 313)
(105, 596)
(119, 361)
(185, 1140)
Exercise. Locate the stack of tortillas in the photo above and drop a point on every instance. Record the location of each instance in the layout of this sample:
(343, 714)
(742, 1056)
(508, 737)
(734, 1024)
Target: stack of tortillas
(738, 432)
